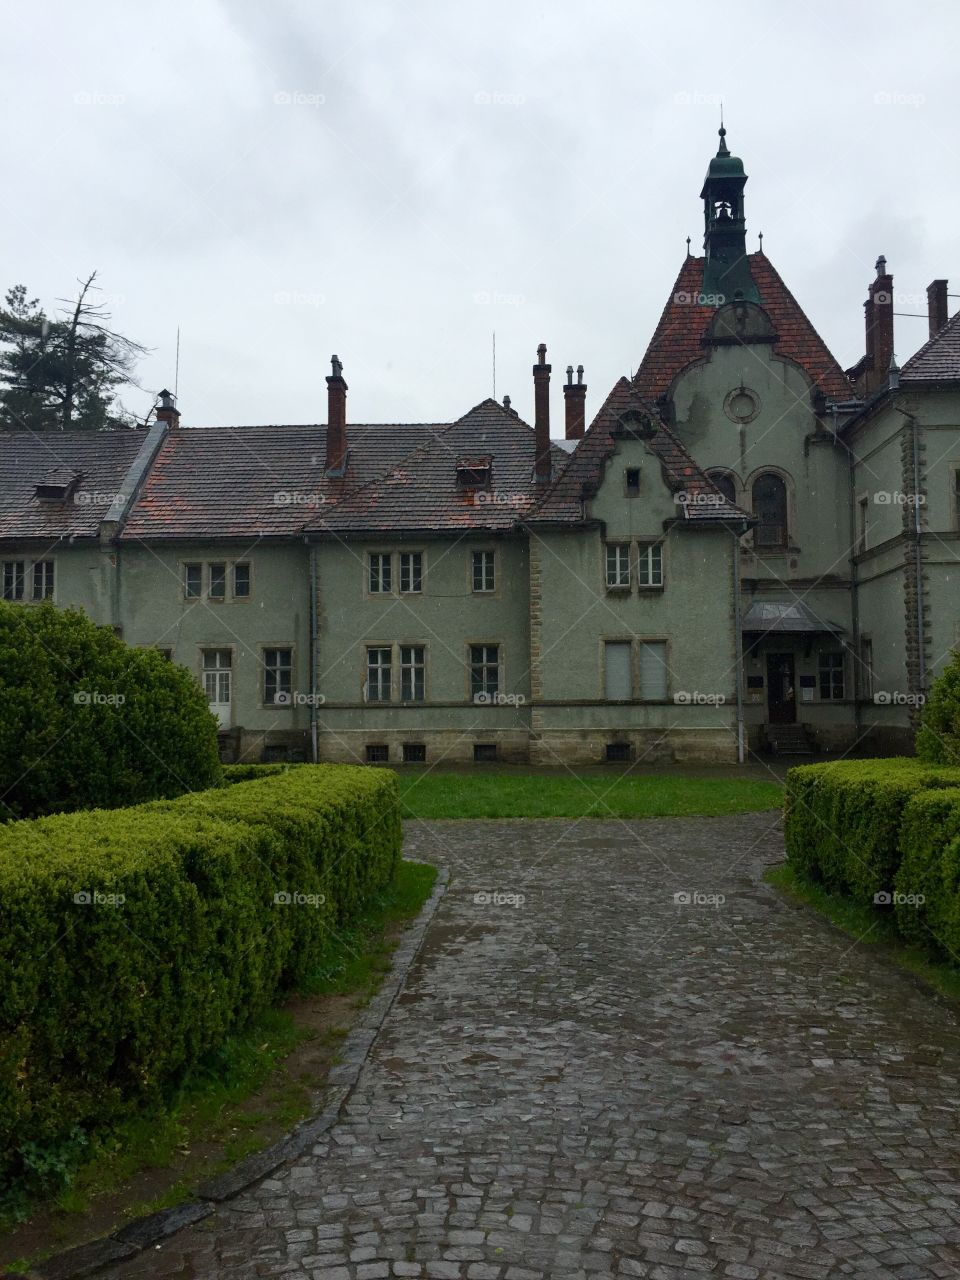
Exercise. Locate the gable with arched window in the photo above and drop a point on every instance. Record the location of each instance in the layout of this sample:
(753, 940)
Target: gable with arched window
(769, 500)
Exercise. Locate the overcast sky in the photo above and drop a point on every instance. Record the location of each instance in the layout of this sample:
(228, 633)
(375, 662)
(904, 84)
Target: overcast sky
(394, 181)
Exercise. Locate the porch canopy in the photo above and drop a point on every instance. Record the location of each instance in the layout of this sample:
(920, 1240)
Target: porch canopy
(772, 617)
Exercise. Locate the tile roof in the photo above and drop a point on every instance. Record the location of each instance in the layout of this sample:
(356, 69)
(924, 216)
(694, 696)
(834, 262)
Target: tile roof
(937, 360)
(584, 469)
(676, 341)
(420, 492)
(222, 482)
(102, 459)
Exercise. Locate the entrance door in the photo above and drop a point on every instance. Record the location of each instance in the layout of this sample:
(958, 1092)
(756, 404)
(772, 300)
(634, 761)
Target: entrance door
(781, 689)
(217, 683)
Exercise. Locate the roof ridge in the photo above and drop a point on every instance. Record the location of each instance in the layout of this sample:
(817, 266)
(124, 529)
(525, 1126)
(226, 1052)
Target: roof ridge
(942, 333)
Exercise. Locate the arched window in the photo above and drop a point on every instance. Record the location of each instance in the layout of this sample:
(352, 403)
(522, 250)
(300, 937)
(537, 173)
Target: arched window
(770, 508)
(726, 484)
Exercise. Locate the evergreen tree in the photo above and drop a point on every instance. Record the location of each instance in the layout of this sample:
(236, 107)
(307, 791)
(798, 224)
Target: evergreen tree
(63, 374)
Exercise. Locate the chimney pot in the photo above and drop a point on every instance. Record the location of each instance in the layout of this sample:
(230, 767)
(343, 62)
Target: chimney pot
(878, 319)
(574, 399)
(167, 410)
(336, 459)
(541, 416)
(937, 305)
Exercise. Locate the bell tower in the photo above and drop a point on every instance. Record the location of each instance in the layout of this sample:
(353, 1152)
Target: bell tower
(726, 271)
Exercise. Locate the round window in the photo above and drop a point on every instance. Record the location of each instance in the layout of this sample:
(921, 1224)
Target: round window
(742, 405)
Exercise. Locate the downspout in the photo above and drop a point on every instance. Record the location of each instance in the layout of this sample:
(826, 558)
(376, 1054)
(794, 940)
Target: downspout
(918, 556)
(738, 642)
(859, 674)
(314, 746)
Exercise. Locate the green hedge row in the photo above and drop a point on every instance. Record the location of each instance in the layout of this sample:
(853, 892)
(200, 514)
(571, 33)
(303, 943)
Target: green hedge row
(252, 772)
(927, 887)
(883, 832)
(133, 941)
(842, 820)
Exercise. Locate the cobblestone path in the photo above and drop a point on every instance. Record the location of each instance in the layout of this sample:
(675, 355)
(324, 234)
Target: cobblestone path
(598, 1081)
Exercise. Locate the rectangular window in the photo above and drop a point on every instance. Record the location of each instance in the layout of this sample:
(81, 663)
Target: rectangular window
(411, 672)
(43, 580)
(618, 565)
(618, 753)
(650, 571)
(379, 670)
(831, 676)
(484, 672)
(411, 571)
(485, 753)
(277, 677)
(653, 670)
(866, 669)
(632, 482)
(13, 579)
(414, 753)
(381, 579)
(377, 753)
(192, 581)
(484, 571)
(241, 581)
(617, 678)
(218, 581)
(217, 682)
(862, 523)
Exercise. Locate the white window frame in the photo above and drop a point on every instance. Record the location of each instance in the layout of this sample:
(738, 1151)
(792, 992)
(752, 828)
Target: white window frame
(277, 670)
(485, 686)
(380, 572)
(486, 560)
(617, 566)
(407, 577)
(14, 578)
(410, 668)
(384, 674)
(650, 565)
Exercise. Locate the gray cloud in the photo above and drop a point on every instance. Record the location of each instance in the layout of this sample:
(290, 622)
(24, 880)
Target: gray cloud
(393, 181)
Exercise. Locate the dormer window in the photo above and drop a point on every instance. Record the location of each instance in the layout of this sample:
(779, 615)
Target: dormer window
(58, 485)
(475, 472)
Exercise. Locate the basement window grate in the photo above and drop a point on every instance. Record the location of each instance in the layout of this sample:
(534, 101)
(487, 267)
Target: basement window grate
(377, 753)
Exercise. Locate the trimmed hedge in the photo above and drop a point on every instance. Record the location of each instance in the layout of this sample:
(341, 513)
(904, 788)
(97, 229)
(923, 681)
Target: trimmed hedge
(86, 721)
(108, 1003)
(842, 820)
(928, 882)
(252, 772)
(938, 740)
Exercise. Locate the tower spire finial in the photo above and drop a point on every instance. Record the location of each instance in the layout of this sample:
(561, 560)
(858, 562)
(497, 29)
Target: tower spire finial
(722, 150)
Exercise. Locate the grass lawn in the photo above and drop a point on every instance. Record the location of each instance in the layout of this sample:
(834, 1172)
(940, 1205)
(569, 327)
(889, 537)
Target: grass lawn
(249, 1093)
(867, 925)
(498, 795)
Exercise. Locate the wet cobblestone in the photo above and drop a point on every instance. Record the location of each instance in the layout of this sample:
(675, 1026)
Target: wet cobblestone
(584, 1078)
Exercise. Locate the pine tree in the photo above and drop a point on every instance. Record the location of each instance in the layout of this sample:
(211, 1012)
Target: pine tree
(63, 374)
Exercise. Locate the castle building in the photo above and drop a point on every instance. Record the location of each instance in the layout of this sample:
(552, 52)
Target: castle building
(749, 547)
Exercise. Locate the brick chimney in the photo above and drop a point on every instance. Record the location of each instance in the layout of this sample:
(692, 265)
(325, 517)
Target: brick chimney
(167, 410)
(937, 305)
(878, 318)
(336, 461)
(541, 415)
(574, 399)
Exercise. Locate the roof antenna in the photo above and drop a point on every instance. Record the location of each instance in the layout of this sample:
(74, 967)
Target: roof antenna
(722, 150)
(761, 241)
(176, 370)
(688, 246)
